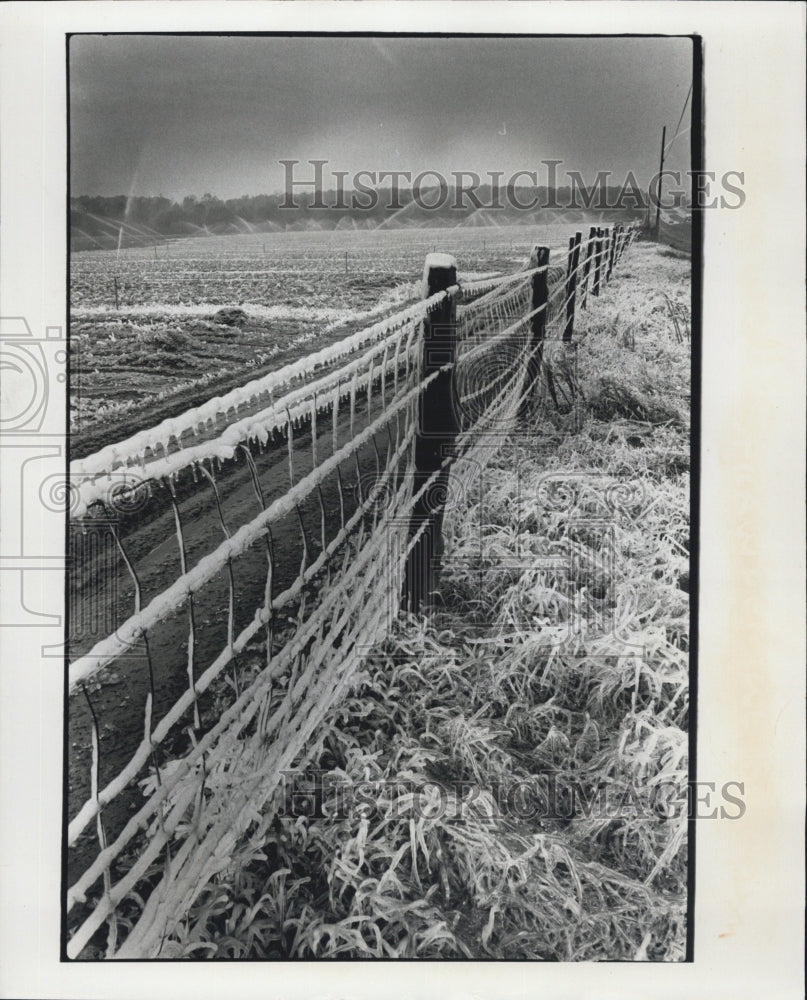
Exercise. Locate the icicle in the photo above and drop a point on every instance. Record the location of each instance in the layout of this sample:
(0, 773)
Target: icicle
(291, 451)
(352, 404)
(314, 430)
(336, 418)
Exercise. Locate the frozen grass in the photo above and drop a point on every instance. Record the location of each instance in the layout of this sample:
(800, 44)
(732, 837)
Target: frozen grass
(512, 770)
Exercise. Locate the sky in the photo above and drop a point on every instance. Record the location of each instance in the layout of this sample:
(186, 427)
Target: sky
(179, 115)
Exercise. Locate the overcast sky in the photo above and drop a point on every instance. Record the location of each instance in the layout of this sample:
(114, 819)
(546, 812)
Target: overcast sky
(188, 115)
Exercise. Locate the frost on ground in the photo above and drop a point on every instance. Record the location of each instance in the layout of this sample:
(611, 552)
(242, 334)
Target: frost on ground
(143, 324)
(508, 777)
(187, 347)
(253, 310)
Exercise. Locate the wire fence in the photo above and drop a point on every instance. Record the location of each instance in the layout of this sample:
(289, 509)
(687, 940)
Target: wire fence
(294, 517)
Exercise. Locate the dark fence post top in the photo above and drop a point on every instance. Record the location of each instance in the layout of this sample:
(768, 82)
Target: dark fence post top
(439, 273)
(539, 256)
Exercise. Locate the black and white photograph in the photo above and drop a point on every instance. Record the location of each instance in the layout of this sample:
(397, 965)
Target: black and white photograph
(380, 564)
(402, 440)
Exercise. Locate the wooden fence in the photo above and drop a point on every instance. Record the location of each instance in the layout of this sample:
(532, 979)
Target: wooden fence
(294, 517)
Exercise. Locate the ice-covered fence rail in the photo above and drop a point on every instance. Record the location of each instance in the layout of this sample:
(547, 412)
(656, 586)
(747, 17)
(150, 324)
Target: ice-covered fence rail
(249, 765)
(135, 450)
(244, 780)
(566, 283)
(231, 770)
(323, 394)
(169, 601)
(364, 584)
(91, 807)
(174, 596)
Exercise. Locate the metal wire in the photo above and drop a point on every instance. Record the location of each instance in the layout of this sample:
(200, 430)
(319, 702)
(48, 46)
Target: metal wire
(341, 600)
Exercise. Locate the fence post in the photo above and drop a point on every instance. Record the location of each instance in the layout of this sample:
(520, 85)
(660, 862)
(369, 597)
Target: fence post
(571, 284)
(540, 294)
(587, 268)
(612, 251)
(597, 263)
(434, 435)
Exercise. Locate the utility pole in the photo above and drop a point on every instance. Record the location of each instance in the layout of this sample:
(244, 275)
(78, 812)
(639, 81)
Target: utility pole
(658, 186)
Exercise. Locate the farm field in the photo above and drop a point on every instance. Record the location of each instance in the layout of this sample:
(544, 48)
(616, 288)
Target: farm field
(521, 676)
(154, 330)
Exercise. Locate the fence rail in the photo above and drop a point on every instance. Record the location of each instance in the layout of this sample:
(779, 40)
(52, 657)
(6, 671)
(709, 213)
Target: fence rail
(297, 515)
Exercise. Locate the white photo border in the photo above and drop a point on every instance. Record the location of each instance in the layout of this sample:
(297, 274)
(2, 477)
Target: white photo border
(750, 873)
